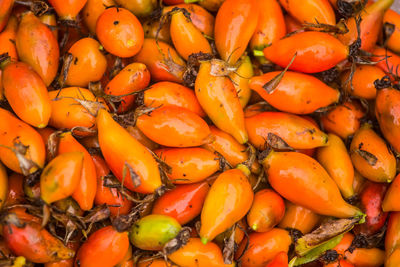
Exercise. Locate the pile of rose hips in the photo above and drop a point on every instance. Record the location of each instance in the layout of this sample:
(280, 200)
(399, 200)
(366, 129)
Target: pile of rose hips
(253, 133)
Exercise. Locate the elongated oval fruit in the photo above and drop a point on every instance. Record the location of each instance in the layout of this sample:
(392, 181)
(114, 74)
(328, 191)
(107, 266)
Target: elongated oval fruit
(60, 178)
(67, 112)
(235, 24)
(310, 11)
(234, 152)
(195, 253)
(240, 79)
(27, 94)
(391, 202)
(291, 172)
(336, 161)
(296, 92)
(153, 231)
(263, 247)
(219, 99)
(68, 10)
(266, 211)
(31, 36)
(186, 38)
(271, 24)
(129, 160)
(300, 218)
(175, 127)
(189, 165)
(316, 52)
(15, 131)
(104, 247)
(86, 191)
(28, 239)
(175, 94)
(387, 111)
(370, 26)
(371, 156)
(295, 131)
(183, 203)
(229, 199)
(392, 17)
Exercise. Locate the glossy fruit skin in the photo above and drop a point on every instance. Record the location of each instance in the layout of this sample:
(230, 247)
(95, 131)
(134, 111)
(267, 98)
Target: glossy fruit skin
(67, 113)
(153, 231)
(60, 178)
(371, 203)
(27, 94)
(201, 18)
(363, 81)
(31, 36)
(366, 257)
(88, 63)
(164, 63)
(391, 201)
(4, 185)
(229, 199)
(234, 152)
(169, 93)
(13, 130)
(235, 24)
(271, 24)
(15, 193)
(175, 127)
(393, 17)
(296, 93)
(287, 126)
(32, 241)
(86, 190)
(336, 161)
(391, 62)
(5, 11)
(392, 238)
(344, 119)
(240, 79)
(140, 8)
(393, 259)
(300, 218)
(267, 210)
(120, 32)
(189, 165)
(384, 169)
(344, 244)
(115, 142)
(370, 26)
(132, 78)
(280, 260)
(310, 11)
(292, 24)
(263, 247)
(7, 45)
(7, 38)
(67, 10)
(219, 99)
(50, 19)
(183, 203)
(316, 52)
(105, 247)
(387, 111)
(195, 253)
(93, 10)
(186, 37)
(293, 172)
(117, 204)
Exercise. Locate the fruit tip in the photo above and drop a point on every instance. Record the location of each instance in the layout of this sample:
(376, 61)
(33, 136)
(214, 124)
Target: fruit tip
(204, 240)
